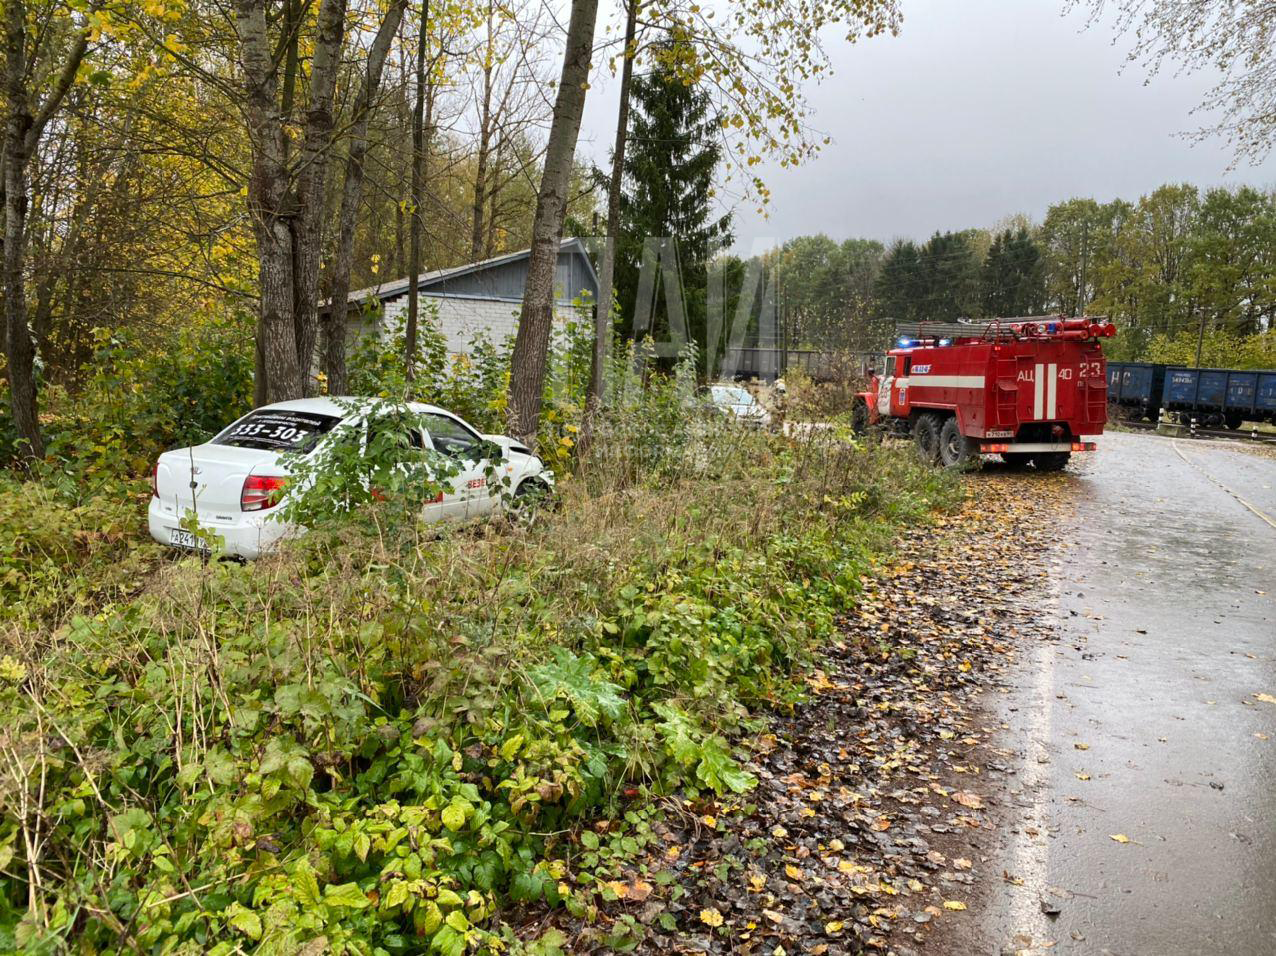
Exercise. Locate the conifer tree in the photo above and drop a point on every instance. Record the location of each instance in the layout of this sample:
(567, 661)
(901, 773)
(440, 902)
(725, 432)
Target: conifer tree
(674, 151)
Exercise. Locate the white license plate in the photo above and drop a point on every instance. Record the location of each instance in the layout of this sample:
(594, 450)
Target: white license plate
(181, 538)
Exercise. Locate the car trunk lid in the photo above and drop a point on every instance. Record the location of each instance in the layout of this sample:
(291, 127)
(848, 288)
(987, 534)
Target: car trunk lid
(209, 479)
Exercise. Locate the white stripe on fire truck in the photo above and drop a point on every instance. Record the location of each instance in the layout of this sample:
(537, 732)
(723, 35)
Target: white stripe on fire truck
(1052, 381)
(1038, 391)
(942, 381)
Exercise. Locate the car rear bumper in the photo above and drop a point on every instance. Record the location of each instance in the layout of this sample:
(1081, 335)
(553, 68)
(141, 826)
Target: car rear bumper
(248, 537)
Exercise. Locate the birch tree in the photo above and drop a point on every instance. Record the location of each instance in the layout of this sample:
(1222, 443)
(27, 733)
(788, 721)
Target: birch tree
(51, 59)
(334, 323)
(1237, 39)
(536, 316)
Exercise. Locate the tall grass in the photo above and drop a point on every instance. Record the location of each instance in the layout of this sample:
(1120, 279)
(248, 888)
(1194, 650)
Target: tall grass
(388, 733)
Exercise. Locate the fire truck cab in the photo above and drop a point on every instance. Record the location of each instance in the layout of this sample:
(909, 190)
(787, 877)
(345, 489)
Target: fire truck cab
(1032, 390)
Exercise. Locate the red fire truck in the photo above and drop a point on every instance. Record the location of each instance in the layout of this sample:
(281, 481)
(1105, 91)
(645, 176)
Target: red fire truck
(1032, 390)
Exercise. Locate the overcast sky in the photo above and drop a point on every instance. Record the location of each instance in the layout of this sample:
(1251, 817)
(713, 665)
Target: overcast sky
(977, 110)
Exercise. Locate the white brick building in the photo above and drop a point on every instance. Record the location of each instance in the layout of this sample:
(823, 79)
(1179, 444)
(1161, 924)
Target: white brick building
(481, 299)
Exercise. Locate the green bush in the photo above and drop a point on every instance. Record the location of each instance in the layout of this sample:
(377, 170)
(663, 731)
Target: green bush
(58, 554)
(144, 398)
(1220, 348)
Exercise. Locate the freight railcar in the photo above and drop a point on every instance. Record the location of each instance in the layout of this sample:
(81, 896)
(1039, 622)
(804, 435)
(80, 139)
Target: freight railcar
(1214, 397)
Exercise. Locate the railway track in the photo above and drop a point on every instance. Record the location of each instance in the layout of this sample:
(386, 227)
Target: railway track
(1183, 431)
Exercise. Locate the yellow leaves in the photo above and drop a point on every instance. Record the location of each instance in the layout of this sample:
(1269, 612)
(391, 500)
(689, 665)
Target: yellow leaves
(12, 670)
(968, 799)
(710, 821)
(962, 864)
(774, 916)
(1081, 746)
(956, 905)
(833, 927)
(711, 917)
(880, 824)
(1260, 735)
(757, 882)
(1081, 775)
(1119, 837)
(1265, 698)
(836, 845)
(793, 873)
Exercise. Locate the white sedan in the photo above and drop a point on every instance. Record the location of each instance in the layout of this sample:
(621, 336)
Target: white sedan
(739, 404)
(233, 482)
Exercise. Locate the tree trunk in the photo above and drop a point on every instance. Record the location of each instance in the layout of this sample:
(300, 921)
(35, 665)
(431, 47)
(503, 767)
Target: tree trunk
(22, 133)
(312, 181)
(418, 199)
(535, 322)
(596, 394)
(278, 370)
(351, 196)
(484, 149)
(19, 346)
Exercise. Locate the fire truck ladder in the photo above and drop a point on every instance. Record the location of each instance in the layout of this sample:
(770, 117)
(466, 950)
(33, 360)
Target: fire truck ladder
(1021, 327)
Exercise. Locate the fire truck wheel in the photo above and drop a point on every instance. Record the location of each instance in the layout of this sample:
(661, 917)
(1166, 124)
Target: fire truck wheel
(1051, 460)
(926, 433)
(955, 449)
(859, 417)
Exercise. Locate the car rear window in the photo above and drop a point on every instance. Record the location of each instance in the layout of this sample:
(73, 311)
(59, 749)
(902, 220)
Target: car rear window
(278, 430)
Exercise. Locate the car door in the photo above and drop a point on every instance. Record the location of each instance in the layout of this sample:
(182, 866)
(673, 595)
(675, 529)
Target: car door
(884, 387)
(469, 451)
(447, 503)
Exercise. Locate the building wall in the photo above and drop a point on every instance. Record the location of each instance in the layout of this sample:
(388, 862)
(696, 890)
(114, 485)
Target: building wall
(461, 321)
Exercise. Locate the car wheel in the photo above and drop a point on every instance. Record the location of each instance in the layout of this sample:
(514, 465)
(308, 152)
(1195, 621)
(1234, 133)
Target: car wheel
(926, 434)
(531, 495)
(955, 449)
(859, 417)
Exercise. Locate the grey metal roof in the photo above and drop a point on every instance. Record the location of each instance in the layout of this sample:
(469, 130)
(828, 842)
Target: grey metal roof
(500, 278)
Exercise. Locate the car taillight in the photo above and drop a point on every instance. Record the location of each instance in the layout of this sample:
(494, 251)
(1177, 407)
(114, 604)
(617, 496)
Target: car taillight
(155, 480)
(261, 492)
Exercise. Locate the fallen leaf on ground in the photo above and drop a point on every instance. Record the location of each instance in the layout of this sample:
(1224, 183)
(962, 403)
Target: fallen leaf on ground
(1081, 746)
(710, 917)
(968, 799)
(1082, 776)
(1265, 698)
(1120, 837)
(954, 905)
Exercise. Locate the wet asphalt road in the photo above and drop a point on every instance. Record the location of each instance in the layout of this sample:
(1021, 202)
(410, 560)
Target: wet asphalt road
(1142, 720)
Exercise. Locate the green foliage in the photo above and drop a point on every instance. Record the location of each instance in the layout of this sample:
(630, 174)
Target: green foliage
(386, 748)
(145, 396)
(374, 460)
(1013, 276)
(938, 281)
(1220, 348)
(57, 554)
